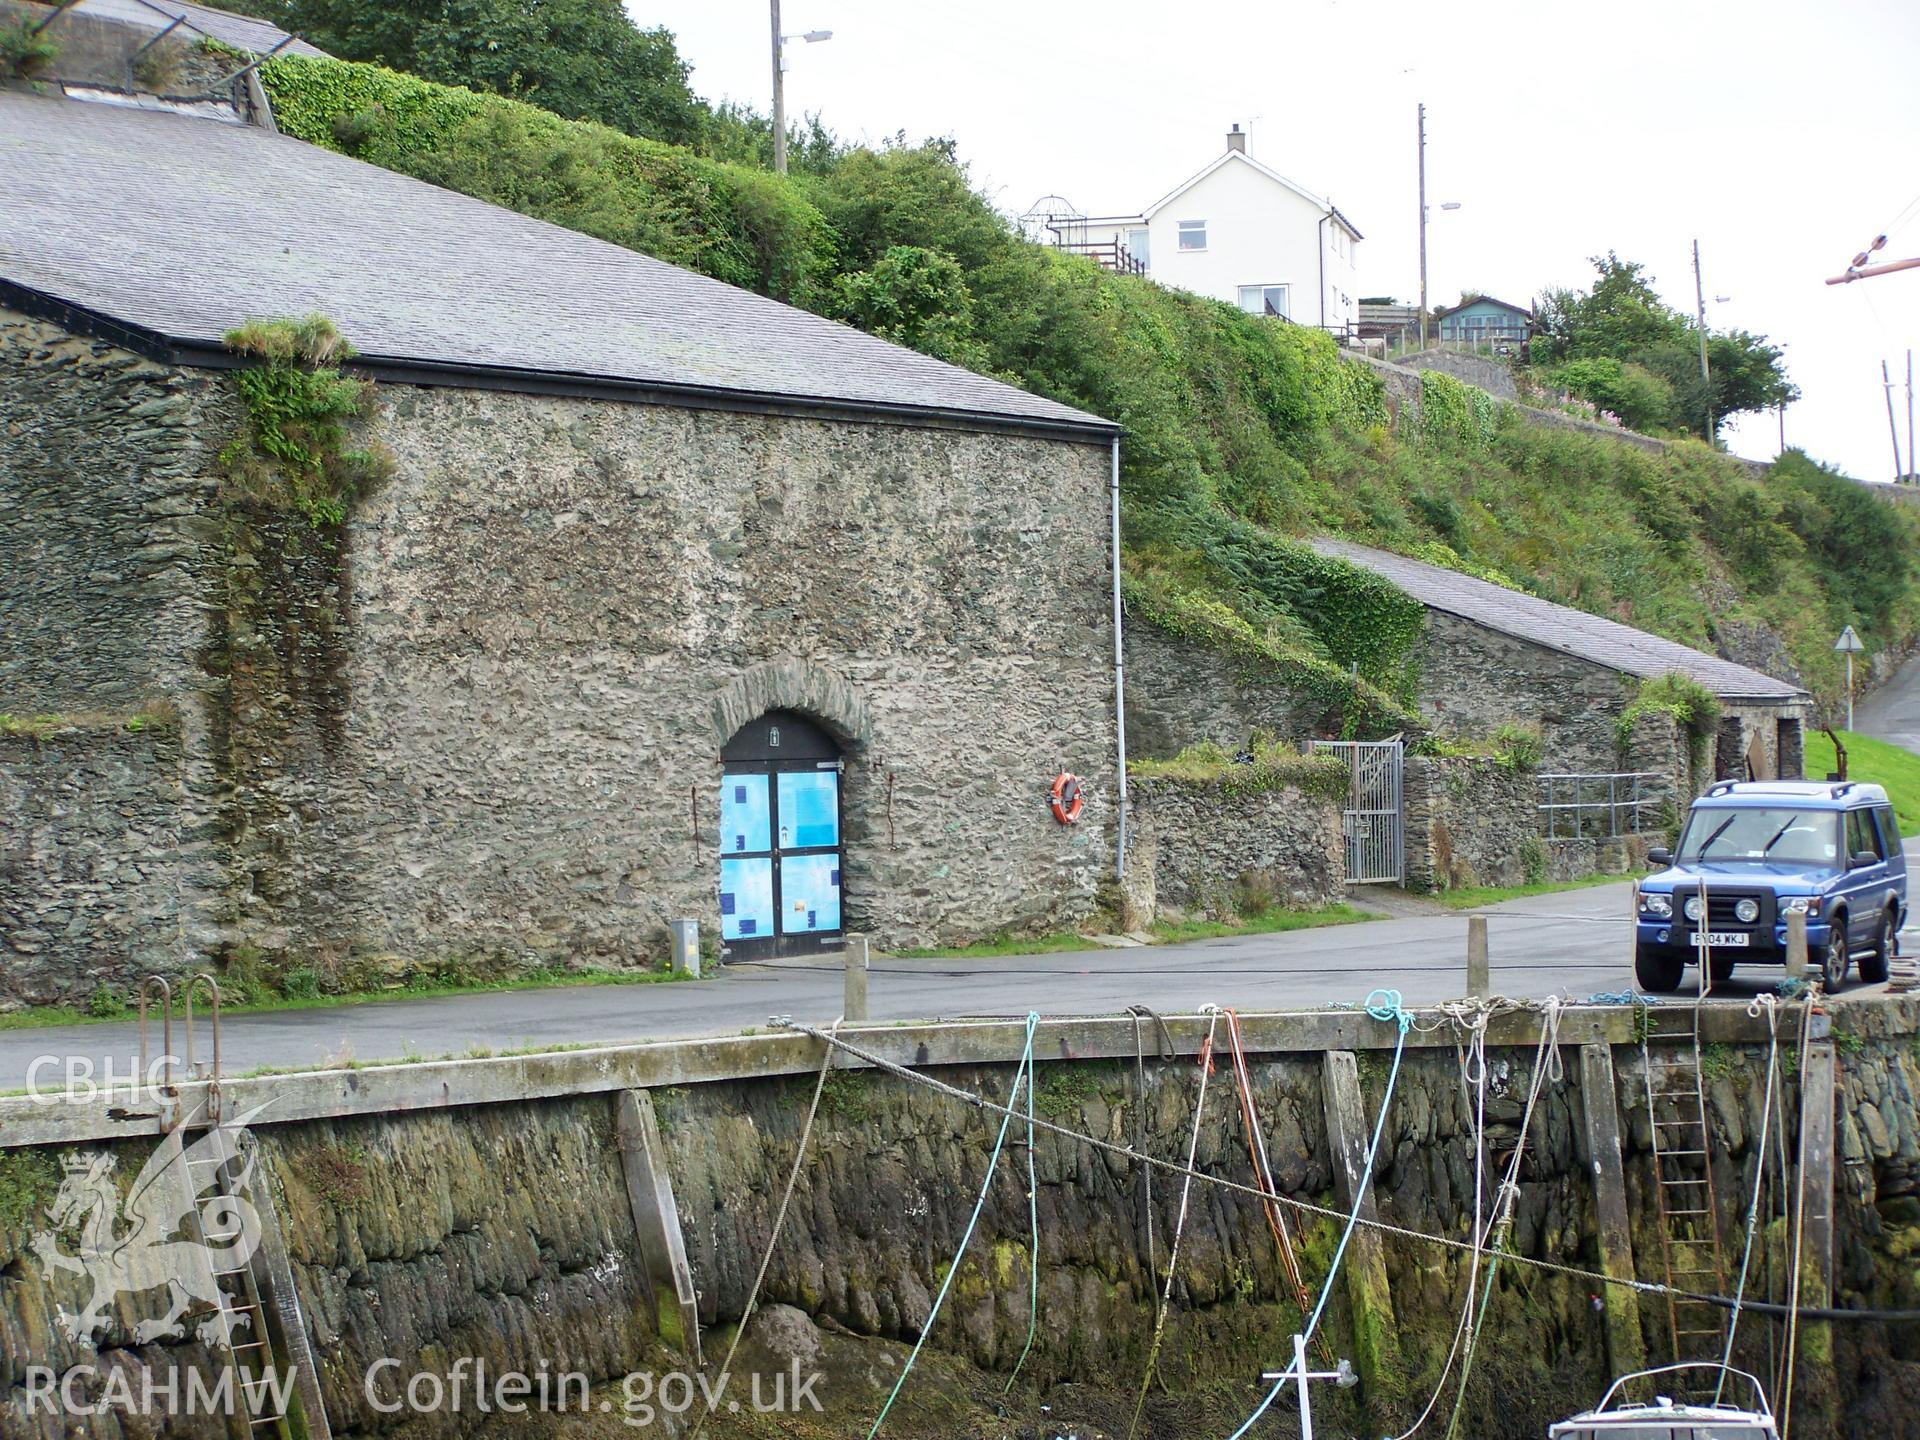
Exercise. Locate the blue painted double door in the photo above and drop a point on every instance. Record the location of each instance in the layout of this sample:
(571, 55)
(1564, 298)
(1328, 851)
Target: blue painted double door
(780, 870)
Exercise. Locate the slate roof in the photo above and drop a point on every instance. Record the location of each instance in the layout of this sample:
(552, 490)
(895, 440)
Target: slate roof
(174, 230)
(1560, 627)
(242, 32)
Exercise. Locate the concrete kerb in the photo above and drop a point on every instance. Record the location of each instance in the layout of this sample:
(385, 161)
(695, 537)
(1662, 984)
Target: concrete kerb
(439, 1085)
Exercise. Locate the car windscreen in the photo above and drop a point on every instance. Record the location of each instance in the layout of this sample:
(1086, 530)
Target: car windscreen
(1759, 835)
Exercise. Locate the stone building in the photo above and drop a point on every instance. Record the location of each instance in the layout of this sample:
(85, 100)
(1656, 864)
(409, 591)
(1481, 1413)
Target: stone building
(1493, 656)
(677, 601)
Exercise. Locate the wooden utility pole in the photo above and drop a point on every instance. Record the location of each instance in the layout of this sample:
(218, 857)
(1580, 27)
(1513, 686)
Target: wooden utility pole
(779, 96)
(1913, 465)
(1893, 430)
(1864, 272)
(1423, 226)
(1700, 310)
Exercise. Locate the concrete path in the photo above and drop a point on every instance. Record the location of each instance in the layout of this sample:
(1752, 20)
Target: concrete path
(1573, 944)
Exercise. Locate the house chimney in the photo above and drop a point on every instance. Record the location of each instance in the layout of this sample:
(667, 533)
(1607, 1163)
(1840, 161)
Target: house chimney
(1237, 139)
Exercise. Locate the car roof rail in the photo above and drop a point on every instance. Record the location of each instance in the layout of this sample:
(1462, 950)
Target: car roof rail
(1842, 788)
(1720, 787)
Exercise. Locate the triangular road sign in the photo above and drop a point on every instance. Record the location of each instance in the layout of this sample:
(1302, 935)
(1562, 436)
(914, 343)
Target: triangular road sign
(1849, 641)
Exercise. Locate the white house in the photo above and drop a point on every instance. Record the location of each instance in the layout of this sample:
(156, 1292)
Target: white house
(1241, 233)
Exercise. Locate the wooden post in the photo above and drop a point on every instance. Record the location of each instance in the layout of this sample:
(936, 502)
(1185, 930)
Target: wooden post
(656, 1219)
(1626, 1345)
(853, 1007)
(1817, 1160)
(1375, 1335)
(273, 1278)
(1479, 977)
(1796, 944)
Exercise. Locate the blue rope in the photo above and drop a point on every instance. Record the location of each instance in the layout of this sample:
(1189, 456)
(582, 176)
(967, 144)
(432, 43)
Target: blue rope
(1023, 1074)
(1384, 1005)
(1033, 1244)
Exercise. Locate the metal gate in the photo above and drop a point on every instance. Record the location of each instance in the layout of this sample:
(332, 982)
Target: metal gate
(1374, 821)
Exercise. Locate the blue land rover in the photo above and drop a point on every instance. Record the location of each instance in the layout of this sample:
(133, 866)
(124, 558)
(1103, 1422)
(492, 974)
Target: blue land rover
(1762, 850)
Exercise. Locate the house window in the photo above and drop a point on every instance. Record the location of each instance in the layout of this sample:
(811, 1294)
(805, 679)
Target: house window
(1265, 300)
(1193, 234)
(1137, 245)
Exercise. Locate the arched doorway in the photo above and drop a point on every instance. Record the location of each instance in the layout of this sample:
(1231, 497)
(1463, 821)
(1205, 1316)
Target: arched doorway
(780, 871)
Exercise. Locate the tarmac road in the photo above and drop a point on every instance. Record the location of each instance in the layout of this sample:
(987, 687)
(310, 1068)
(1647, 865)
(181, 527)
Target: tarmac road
(1572, 944)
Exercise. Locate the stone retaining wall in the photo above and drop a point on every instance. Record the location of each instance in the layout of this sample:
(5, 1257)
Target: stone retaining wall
(1208, 851)
(504, 1233)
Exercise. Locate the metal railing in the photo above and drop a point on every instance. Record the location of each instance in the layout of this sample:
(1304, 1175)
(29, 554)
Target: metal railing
(1600, 806)
(1107, 254)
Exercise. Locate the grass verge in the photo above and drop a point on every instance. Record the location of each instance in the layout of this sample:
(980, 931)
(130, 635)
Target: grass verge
(1002, 944)
(1876, 762)
(1472, 897)
(40, 1017)
(1259, 922)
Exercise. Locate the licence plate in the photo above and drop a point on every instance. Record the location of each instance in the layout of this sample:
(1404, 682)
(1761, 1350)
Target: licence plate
(1732, 939)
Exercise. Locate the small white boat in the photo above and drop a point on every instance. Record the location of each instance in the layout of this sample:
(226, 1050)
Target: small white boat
(1663, 1418)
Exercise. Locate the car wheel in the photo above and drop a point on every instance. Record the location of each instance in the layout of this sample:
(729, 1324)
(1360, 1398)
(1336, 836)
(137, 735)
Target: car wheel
(1722, 969)
(1657, 973)
(1833, 966)
(1875, 967)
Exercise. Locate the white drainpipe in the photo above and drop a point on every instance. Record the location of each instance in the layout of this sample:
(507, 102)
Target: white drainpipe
(1119, 677)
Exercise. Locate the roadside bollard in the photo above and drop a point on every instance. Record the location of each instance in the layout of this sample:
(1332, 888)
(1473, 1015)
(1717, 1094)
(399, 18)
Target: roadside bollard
(1633, 940)
(686, 946)
(1796, 944)
(1479, 976)
(854, 1004)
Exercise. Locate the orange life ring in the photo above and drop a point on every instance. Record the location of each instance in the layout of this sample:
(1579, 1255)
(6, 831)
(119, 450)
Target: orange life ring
(1068, 802)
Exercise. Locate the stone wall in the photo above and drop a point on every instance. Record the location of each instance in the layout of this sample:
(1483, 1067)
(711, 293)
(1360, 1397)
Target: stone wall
(1473, 680)
(1181, 694)
(1471, 821)
(98, 877)
(479, 724)
(1492, 375)
(1215, 852)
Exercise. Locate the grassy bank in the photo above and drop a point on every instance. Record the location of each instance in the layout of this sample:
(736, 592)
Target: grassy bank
(1243, 432)
(1874, 761)
(1475, 897)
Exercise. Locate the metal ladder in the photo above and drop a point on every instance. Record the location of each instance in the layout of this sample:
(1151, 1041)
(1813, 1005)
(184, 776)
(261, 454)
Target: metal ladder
(1683, 1179)
(250, 1360)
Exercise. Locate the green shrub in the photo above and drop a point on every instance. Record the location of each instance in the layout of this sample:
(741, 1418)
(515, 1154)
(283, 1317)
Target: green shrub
(1274, 766)
(1519, 747)
(24, 54)
(1690, 705)
(293, 452)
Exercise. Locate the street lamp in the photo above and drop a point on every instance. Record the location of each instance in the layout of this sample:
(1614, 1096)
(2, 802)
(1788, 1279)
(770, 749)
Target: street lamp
(812, 37)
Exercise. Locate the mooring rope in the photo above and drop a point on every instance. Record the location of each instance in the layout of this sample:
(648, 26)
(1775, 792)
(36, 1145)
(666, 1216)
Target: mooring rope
(1473, 1080)
(1546, 1063)
(1382, 1005)
(1307, 1207)
(1763, 1004)
(1166, 1052)
(1263, 1169)
(1024, 1074)
(779, 1221)
(1179, 1225)
(1796, 1254)
(1033, 1230)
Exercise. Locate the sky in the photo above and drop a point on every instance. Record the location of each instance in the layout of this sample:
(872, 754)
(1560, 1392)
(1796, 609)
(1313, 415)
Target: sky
(1781, 134)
